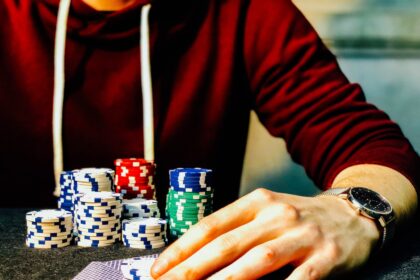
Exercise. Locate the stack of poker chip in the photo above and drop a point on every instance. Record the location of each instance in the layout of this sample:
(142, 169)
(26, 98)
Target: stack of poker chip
(140, 208)
(93, 180)
(65, 200)
(98, 218)
(138, 268)
(135, 178)
(144, 233)
(190, 198)
(47, 229)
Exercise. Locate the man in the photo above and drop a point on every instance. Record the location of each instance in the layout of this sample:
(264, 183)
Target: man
(212, 61)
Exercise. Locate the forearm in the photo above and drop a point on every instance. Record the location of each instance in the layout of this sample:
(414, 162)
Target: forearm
(395, 187)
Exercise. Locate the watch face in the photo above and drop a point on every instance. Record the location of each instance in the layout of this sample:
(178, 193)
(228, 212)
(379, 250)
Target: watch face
(370, 200)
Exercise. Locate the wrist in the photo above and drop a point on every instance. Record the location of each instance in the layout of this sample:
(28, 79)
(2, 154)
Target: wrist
(370, 205)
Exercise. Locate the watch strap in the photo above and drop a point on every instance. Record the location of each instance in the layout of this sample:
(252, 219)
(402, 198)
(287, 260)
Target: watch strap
(386, 225)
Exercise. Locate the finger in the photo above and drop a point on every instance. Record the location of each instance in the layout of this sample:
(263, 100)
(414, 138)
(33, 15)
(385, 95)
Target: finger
(218, 253)
(270, 256)
(232, 216)
(317, 266)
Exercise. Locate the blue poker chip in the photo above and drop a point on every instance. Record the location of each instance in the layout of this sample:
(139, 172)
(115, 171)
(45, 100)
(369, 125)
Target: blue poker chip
(188, 189)
(191, 171)
(190, 186)
(191, 182)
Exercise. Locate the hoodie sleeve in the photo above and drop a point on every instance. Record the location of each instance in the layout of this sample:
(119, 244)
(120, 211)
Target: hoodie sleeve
(301, 95)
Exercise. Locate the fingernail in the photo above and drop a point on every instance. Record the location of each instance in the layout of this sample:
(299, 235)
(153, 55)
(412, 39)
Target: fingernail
(159, 267)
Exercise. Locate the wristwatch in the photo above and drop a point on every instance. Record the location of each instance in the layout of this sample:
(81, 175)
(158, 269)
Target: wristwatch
(371, 205)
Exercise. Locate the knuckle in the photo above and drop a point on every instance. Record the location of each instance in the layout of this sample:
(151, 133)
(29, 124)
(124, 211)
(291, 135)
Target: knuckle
(266, 254)
(312, 273)
(313, 229)
(173, 252)
(206, 227)
(290, 212)
(187, 272)
(332, 251)
(227, 244)
(262, 194)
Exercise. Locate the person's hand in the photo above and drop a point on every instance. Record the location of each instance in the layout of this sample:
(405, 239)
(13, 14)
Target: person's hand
(264, 231)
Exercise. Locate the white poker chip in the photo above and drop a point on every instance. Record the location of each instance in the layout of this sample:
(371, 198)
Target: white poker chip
(116, 224)
(139, 201)
(98, 212)
(35, 236)
(48, 216)
(101, 238)
(88, 243)
(92, 223)
(144, 238)
(149, 223)
(97, 219)
(49, 234)
(101, 230)
(46, 246)
(98, 197)
(92, 172)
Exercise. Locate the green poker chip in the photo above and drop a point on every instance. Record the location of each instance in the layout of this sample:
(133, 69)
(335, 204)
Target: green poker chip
(184, 209)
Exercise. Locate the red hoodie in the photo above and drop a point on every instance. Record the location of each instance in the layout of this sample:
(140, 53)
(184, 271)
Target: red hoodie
(212, 62)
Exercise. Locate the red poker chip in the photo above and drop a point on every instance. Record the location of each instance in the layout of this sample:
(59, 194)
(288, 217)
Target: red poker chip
(134, 189)
(134, 183)
(133, 162)
(132, 180)
(129, 173)
(143, 168)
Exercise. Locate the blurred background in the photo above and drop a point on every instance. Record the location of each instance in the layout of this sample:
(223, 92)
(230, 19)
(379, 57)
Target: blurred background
(377, 44)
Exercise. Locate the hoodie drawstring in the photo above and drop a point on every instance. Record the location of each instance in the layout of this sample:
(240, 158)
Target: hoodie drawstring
(58, 99)
(59, 83)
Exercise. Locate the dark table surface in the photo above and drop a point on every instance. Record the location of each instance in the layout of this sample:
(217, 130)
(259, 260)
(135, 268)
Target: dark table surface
(400, 261)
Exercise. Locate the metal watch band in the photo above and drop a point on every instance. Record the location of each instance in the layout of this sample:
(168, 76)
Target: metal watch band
(387, 226)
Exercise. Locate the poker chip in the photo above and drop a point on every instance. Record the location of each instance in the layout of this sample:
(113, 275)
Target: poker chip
(138, 268)
(31, 244)
(65, 200)
(48, 216)
(93, 180)
(144, 233)
(97, 216)
(189, 199)
(49, 228)
(96, 243)
(140, 208)
(134, 177)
